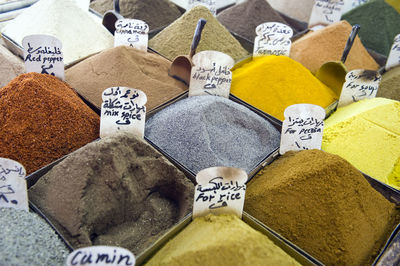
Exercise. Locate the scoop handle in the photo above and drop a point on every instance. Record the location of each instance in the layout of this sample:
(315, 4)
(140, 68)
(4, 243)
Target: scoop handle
(116, 6)
(197, 36)
(350, 41)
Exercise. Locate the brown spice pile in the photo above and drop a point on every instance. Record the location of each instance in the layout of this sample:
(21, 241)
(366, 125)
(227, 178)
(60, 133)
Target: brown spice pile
(321, 46)
(117, 191)
(128, 67)
(324, 205)
(42, 119)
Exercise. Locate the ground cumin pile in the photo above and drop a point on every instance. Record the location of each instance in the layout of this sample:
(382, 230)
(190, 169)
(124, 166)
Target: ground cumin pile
(156, 13)
(321, 46)
(177, 38)
(125, 66)
(42, 119)
(117, 191)
(324, 205)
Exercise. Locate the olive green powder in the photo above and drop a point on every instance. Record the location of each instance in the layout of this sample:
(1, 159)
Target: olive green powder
(390, 85)
(176, 39)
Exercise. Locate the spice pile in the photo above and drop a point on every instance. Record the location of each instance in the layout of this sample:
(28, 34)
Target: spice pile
(26, 239)
(176, 39)
(329, 44)
(83, 36)
(42, 120)
(379, 24)
(156, 13)
(117, 191)
(125, 66)
(324, 205)
(206, 131)
(272, 83)
(236, 242)
(390, 84)
(10, 66)
(367, 134)
(245, 17)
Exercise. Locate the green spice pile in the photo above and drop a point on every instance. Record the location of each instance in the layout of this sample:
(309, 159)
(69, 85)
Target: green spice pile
(176, 39)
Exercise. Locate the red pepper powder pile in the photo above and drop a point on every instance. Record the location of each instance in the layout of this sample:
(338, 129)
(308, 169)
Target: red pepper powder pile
(42, 119)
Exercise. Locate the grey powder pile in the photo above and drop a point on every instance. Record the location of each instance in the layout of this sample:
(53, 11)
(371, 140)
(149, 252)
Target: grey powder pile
(26, 239)
(118, 191)
(156, 13)
(206, 131)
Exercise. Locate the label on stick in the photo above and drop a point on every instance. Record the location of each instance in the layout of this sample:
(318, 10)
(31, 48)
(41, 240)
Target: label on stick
(84, 4)
(210, 4)
(219, 190)
(394, 55)
(302, 128)
(13, 189)
(273, 38)
(123, 109)
(43, 54)
(351, 4)
(101, 255)
(326, 12)
(211, 74)
(131, 32)
(360, 84)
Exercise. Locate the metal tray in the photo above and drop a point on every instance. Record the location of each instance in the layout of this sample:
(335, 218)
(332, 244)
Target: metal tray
(265, 161)
(300, 255)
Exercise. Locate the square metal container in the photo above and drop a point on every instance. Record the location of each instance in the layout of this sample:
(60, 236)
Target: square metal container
(266, 160)
(300, 255)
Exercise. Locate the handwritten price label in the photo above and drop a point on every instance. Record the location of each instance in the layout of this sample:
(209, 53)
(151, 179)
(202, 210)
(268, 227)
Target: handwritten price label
(123, 110)
(43, 54)
(101, 255)
(219, 190)
(394, 55)
(360, 84)
(272, 38)
(210, 4)
(326, 12)
(131, 32)
(13, 189)
(211, 74)
(302, 128)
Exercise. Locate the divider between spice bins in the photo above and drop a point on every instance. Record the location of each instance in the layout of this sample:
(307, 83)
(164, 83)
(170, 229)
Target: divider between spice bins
(300, 255)
(265, 161)
(394, 237)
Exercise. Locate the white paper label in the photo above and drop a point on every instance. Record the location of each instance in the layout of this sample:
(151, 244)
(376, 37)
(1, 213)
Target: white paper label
(43, 54)
(101, 255)
(302, 128)
(13, 189)
(84, 4)
(123, 110)
(326, 12)
(394, 55)
(211, 74)
(131, 32)
(210, 4)
(273, 38)
(219, 190)
(360, 84)
(351, 4)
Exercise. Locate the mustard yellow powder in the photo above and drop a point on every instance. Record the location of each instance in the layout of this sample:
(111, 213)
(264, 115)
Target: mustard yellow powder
(220, 240)
(367, 134)
(272, 83)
